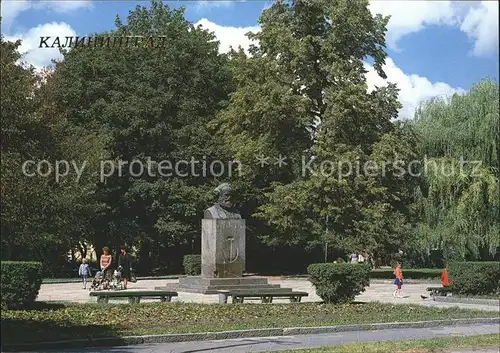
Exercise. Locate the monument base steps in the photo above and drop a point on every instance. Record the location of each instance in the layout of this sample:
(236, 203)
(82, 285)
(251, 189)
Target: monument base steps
(212, 285)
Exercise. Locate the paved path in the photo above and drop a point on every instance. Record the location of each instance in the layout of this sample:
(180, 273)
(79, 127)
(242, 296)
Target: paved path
(376, 292)
(244, 345)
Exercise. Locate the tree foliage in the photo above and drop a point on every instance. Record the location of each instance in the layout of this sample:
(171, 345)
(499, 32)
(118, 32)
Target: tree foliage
(148, 103)
(459, 200)
(41, 218)
(302, 94)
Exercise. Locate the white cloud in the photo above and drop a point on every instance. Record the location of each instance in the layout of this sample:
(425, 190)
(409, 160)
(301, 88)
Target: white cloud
(32, 54)
(229, 36)
(66, 6)
(414, 89)
(412, 16)
(41, 57)
(204, 4)
(11, 9)
(478, 21)
(481, 24)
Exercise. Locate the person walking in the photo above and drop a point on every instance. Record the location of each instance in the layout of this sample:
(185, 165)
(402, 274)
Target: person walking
(84, 272)
(106, 261)
(398, 281)
(125, 261)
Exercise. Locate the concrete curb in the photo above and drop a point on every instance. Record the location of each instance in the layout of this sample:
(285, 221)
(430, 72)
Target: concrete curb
(452, 299)
(252, 333)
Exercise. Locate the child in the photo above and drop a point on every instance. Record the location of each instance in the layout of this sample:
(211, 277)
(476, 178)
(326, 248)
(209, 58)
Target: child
(398, 281)
(84, 272)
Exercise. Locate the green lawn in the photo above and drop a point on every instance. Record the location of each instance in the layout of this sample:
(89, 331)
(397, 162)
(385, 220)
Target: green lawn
(418, 346)
(59, 321)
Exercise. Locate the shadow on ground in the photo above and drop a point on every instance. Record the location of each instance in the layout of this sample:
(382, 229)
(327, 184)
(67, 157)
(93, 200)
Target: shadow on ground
(20, 334)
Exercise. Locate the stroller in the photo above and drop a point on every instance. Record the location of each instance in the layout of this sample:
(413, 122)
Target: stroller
(97, 282)
(117, 281)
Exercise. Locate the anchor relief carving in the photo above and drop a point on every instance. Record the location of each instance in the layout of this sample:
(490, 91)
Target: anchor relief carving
(233, 251)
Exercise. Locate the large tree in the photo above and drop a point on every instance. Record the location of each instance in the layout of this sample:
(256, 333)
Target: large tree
(149, 102)
(302, 93)
(41, 217)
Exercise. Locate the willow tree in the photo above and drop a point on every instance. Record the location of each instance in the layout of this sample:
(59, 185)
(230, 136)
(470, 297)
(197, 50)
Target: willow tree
(459, 202)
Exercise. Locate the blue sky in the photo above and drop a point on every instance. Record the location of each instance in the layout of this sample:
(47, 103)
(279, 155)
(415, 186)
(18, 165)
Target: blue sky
(435, 47)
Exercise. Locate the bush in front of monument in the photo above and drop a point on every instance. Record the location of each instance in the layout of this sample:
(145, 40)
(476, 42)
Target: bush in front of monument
(21, 281)
(475, 278)
(192, 265)
(339, 283)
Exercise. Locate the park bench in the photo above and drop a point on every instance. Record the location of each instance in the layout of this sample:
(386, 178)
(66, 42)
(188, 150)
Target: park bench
(266, 296)
(440, 291)
(134, 297)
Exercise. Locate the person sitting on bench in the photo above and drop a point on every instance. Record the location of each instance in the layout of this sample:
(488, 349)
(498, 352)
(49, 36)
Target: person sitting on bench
(444, 277)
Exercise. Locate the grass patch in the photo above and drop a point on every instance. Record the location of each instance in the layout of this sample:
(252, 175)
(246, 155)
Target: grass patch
(434, 345)
(49, 322)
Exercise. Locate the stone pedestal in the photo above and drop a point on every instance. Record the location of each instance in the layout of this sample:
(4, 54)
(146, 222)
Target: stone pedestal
(222, 248)
(222, 261)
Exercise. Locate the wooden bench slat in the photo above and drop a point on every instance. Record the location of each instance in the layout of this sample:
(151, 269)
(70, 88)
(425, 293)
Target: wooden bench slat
(257, 292)
(265, 296)
(134, 297)
(126, 293)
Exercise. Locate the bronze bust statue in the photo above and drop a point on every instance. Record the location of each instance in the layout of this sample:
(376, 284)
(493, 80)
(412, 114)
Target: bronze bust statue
(223, 209)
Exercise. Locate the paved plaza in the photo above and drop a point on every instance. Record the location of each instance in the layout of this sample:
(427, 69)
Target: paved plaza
(381, 292)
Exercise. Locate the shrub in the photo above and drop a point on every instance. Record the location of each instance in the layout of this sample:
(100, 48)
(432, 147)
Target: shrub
(339, 283)
(192, 265)
(475, 278)
(20, 282)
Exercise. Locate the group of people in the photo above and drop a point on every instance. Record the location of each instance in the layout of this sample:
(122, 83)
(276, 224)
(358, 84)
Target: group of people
(107, 266)
(359, 258)
(398, 280)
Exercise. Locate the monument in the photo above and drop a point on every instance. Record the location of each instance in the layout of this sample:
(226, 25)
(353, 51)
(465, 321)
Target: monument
(222, 251)
(222, 238)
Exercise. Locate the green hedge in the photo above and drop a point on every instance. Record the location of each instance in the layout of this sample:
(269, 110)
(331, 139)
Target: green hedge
(20, 282)
(192, 265)
(339, 283)
(411, 273)
(475, 278)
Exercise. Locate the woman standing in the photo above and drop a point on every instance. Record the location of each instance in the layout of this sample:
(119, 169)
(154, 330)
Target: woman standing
(125, 261)
(106, 261)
